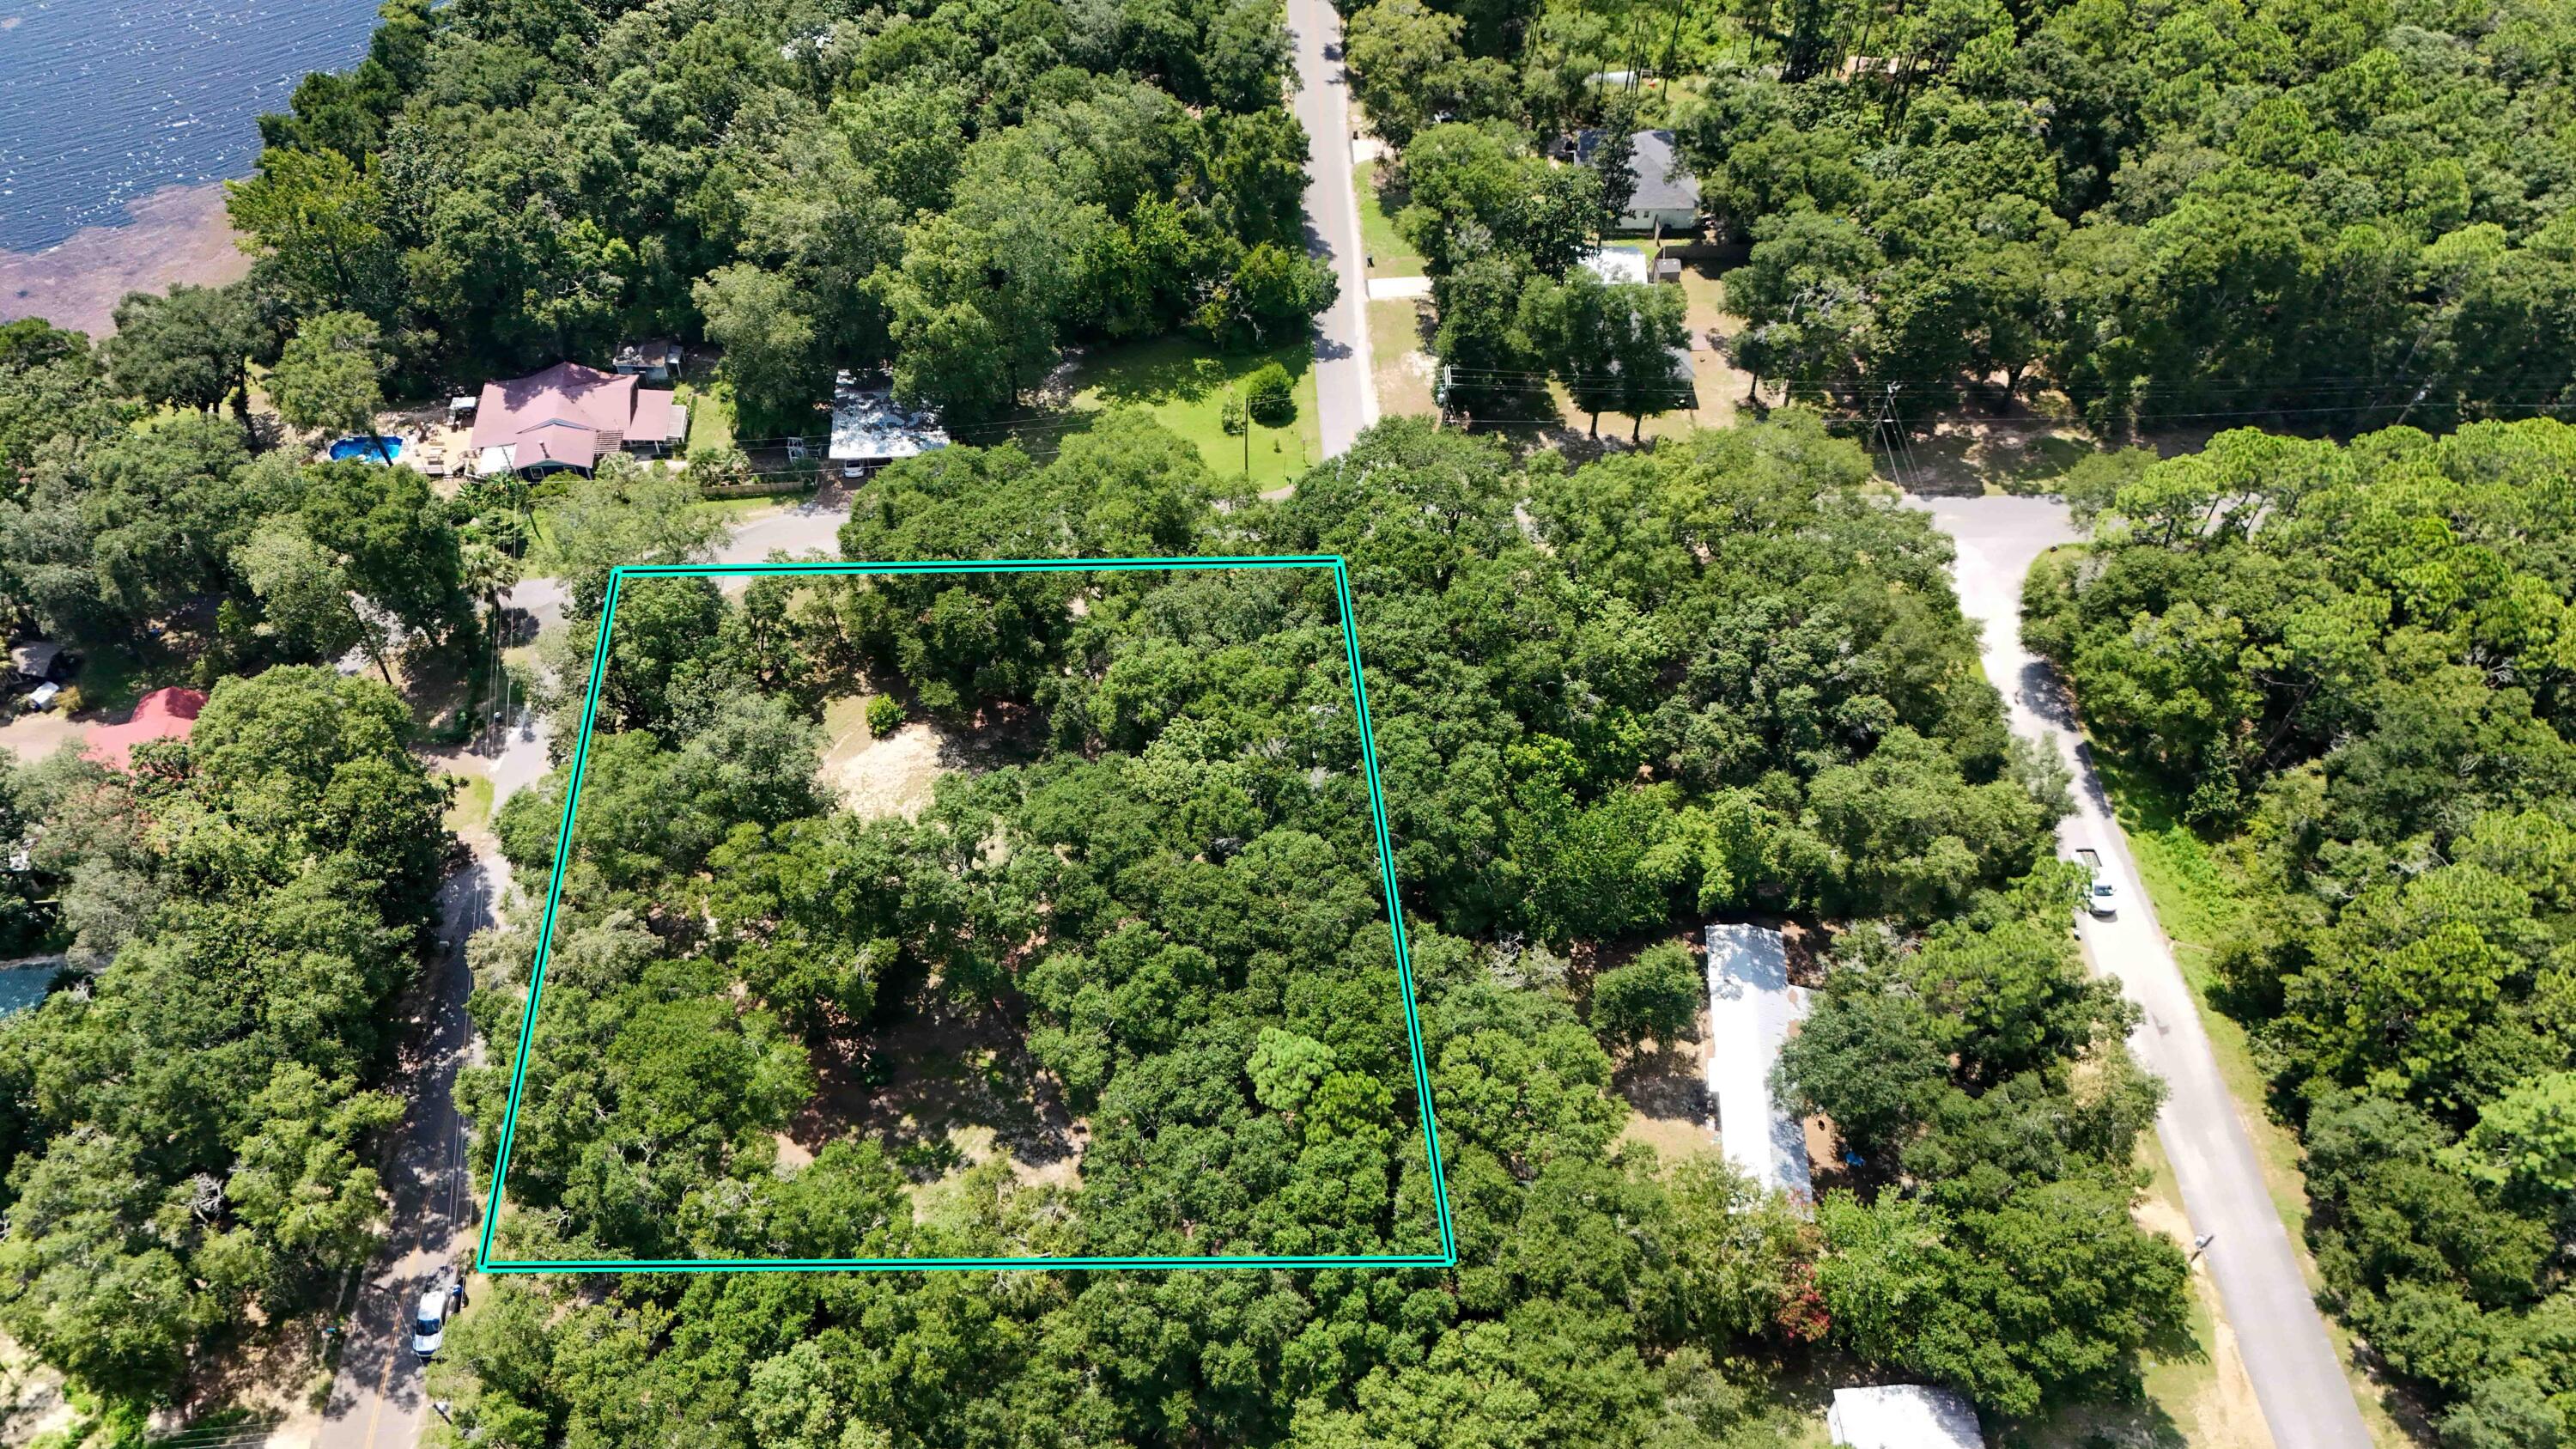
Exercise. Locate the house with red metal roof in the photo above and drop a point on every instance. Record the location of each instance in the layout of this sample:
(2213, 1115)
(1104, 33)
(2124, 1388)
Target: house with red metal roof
(164, 714)
(567, 416)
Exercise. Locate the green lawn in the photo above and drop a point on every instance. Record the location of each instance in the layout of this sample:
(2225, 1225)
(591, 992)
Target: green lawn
(1183, 385)
(1388, 255)
(710, 413)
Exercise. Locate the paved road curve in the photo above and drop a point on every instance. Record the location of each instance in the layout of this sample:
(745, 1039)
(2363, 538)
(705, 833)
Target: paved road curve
(1345, 399)
(2306, 1399)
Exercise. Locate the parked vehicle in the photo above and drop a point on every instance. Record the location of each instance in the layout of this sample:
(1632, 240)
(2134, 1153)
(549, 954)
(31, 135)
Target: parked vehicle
(429, 1324)
(2101, 897)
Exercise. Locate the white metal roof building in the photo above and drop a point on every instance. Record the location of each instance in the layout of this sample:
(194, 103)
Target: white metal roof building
(1751, 1007)
(1903, 1416)
(1616, 265)
(869, 431)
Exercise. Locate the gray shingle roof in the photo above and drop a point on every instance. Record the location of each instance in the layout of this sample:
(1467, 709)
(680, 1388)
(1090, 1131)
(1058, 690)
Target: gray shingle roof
(1663, 182)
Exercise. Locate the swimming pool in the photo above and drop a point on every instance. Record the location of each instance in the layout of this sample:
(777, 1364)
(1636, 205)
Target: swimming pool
(364, 449)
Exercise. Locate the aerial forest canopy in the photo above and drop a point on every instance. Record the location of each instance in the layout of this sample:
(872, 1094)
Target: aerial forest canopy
(818, 185)
(186, 1135)
(2336, 214)
(2350, 664)
(1725, 677)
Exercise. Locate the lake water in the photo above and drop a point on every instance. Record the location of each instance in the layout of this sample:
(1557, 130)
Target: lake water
(103, 101)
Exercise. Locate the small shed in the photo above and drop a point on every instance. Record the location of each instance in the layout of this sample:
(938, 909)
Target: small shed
(1751, 1008)
(38, 660)
(869, 430)
(1903, 1416)
(655, 359)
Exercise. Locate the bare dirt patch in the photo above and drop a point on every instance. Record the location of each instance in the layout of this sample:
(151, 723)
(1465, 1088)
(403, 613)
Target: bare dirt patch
(892, 776)
(38, 733)
(1666, 1085)
(942, 1090)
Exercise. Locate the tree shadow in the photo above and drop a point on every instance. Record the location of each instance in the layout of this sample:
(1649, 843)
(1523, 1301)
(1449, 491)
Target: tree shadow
(933, 1077)
(2143, 1424)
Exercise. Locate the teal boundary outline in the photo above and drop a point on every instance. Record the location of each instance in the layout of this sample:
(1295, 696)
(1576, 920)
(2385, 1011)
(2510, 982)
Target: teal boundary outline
(1447, 1257)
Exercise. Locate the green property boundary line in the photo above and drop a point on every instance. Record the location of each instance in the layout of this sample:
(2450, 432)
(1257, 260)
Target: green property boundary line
(1447, 1257)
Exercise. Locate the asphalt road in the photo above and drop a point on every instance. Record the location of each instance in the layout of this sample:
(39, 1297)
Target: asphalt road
(2306, 1400)
(801, 529)
(1345, 397)
(376, 1400)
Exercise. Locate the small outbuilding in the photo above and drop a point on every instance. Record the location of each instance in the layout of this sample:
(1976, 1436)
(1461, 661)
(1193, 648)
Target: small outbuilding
(1903, 1416)
(39, 661)
(655, 359)
(870, 430)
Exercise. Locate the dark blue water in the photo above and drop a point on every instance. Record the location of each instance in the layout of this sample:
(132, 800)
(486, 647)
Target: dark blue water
(23, 987)
(103, 101)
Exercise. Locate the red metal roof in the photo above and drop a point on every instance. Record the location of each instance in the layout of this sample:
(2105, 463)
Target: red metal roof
(570, 396)
(164, 714)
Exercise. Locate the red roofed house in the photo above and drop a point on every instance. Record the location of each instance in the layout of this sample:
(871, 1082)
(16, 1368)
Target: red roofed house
(566, 416)
(164, 714)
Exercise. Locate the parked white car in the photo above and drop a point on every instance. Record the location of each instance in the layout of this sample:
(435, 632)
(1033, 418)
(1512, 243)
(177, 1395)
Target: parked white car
(429, 1324)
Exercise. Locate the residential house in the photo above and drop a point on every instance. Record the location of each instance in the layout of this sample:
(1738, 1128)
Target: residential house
(1903, 1416)
(1665, 200)
(869, 430)
(567, 416)
(39, 661)
(164, 714)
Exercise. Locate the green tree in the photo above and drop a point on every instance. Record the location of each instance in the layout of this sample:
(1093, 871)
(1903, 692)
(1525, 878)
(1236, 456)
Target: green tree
(1570, 327)
(305, 595)
(1286, 1068)
(1658, 995)
(1270, 397)
(330, 376)
(316, 217)
(1403, 58)
(299, 1187)
(192, 347)
(772, 352)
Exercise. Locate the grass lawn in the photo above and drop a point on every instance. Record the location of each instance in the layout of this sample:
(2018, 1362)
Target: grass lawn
(471, 807)
(1182, 385)
(1388, 254)
(2198, 888)
(710, 413)
(1396, 354)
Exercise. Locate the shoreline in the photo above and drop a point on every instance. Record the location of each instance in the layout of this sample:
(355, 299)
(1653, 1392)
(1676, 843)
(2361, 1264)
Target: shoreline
(176, 234)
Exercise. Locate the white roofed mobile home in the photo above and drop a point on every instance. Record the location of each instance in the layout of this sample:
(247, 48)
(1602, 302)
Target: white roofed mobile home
(1903, 1416)
(1751, 1007)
